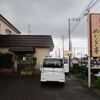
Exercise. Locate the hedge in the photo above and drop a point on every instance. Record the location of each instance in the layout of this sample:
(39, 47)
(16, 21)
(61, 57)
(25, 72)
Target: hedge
(5, 60)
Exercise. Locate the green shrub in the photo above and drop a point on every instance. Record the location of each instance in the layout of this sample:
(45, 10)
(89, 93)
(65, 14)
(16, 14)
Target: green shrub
(27, 69)
(34, 61)
(5, 60)
(96, 82)
(75, 68)
(80, 71)
(21, 66)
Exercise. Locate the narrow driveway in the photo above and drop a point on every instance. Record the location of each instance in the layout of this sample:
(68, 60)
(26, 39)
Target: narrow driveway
(29, 88)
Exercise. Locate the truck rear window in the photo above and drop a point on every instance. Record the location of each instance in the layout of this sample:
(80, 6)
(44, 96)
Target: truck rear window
(53, 63)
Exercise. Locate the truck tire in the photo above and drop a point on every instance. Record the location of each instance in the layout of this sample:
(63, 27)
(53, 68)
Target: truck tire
(42, 83)
(62, 84)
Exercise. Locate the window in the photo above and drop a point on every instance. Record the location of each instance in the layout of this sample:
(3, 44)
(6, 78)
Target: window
(8, 32)
(24, 58)
(53, 63)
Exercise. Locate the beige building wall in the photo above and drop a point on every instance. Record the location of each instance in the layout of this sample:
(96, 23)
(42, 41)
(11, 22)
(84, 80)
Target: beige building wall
(4, 50)
(40, 54)
(3, 27)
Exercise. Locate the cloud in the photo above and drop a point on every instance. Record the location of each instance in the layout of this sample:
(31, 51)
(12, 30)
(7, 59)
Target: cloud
(44, 16)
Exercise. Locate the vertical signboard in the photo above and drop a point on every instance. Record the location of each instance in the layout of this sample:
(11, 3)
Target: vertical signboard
(93, 40)
(94, 35)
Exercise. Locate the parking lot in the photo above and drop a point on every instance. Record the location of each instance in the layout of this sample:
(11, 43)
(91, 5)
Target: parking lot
(29, 88)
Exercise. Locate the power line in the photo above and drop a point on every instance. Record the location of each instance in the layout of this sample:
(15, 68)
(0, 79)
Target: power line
(81, 15)
(86, 18)
(79, 29)
(97, 8)
(84, 13)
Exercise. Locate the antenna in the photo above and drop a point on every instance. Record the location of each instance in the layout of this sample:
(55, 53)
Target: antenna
(29, 29)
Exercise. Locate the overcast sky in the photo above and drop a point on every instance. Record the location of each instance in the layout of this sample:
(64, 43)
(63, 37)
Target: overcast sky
(46, 16)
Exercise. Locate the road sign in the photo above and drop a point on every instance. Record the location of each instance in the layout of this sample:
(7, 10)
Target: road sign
(68, 53)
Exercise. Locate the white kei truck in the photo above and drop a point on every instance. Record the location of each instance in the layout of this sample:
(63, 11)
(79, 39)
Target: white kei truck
(52, 69)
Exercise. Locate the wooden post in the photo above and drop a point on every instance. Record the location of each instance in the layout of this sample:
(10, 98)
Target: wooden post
(89, 55)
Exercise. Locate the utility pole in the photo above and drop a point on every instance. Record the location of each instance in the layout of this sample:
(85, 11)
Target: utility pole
(59, 52)
(55, 53)
(63, 44)
(69, 41)
(69, 33)
(89, 56)
(81, 53)
(74, 53)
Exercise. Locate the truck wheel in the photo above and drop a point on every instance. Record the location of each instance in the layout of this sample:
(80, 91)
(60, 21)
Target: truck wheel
(42, 83)
(62, 84)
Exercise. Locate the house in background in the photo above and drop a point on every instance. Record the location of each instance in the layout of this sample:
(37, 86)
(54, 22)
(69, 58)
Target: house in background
(6, 28)
(28, 46)
(24, 47)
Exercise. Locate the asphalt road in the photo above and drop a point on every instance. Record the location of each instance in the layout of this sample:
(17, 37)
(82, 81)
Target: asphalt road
(29, 88)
